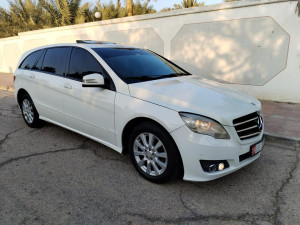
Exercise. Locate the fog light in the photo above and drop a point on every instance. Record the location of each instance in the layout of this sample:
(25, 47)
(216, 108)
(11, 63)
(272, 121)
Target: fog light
(212, 168)
(221, 166)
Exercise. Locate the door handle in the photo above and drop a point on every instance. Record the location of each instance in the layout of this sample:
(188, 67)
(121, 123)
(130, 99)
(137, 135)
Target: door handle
(32, 76)
(68, 86)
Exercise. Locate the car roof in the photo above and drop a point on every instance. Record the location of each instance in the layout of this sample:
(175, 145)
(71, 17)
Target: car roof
(87, 46)
(108, 45)
(82, 45)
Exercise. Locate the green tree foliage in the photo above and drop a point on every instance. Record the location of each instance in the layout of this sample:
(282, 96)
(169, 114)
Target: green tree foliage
(188, 4)
(166, 9)
(184, 4)
(26, 15)
(66, 12)
(6, 25)
(110, 10)
(22, 16)
(140, 8)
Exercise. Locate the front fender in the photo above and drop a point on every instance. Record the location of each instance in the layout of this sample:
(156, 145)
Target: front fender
(128, 108)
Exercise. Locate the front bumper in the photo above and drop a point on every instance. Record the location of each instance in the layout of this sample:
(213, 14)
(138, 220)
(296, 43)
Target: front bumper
(194, 147)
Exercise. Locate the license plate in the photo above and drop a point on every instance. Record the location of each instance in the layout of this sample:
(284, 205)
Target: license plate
(257, 147)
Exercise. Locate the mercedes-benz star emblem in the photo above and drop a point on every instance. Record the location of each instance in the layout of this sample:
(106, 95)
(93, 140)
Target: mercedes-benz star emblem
(259, 123)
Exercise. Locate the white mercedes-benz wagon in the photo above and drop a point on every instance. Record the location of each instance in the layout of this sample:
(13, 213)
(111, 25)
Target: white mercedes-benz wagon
(172, 124)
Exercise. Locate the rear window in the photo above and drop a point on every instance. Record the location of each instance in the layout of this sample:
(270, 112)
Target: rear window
(30, 60)
(55, 60)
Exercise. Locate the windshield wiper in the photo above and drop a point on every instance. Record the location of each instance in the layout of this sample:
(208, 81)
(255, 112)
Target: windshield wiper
(179, 74)
(142, 78)
(145, 78)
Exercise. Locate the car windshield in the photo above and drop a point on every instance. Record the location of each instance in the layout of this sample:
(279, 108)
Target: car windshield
(137, 65)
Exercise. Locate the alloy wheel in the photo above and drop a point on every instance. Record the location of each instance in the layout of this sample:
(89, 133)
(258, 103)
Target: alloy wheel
(150, 154)
(28, 111)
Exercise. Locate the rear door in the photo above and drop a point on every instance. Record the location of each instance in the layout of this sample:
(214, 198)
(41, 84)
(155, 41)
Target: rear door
(49, 72)
(25, 74)
(89, 110)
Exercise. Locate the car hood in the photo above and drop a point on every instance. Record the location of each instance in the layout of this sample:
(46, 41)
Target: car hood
(197, 95)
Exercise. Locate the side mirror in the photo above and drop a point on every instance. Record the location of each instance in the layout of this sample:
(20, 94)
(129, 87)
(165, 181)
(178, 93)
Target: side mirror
(93, 80)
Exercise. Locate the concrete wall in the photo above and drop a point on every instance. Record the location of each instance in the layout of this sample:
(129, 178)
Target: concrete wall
(252, 46)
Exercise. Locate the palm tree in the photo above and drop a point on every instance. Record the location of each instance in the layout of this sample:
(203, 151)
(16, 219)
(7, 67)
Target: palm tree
(140, 8)
(118, 4)
(27, 13)
(5, 22)
(66, 12)
(22, 16)
(129, 8)
(107, 10)
(188, 4)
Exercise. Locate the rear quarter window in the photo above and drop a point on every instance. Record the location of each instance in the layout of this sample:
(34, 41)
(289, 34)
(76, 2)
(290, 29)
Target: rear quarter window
(30, 60)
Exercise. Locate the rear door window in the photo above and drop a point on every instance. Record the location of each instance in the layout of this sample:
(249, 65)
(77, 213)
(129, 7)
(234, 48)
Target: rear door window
(30, 60)
(55, 60)
(83, 63)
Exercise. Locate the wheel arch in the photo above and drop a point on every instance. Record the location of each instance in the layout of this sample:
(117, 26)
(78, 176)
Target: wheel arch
(136, 121)
(21, 92)
(130, 125)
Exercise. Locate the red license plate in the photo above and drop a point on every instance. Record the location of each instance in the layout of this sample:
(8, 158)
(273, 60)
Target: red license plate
(257, 147)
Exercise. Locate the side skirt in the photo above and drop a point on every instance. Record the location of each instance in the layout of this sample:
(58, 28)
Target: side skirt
(114, 147)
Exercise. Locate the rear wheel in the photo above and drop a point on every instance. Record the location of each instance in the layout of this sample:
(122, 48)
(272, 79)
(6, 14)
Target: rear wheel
(154, 153)
(30, 115)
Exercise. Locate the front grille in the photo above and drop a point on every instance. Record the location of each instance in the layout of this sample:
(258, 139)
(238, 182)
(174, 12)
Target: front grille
(248, 126)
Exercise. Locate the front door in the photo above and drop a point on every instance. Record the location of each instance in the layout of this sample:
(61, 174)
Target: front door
(89, 110)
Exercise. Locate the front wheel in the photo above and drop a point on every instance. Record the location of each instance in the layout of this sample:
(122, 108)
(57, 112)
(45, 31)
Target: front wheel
(30, 115)
(154, 153)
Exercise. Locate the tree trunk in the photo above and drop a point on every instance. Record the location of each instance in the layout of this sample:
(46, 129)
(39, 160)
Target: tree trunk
(118, 4)
(129, 8)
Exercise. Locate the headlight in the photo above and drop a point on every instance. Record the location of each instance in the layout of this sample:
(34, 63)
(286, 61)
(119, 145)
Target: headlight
(204, 125)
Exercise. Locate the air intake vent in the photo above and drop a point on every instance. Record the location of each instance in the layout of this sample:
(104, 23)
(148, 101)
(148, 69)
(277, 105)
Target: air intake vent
(248, 126)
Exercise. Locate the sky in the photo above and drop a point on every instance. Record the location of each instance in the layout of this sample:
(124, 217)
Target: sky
(157, 4)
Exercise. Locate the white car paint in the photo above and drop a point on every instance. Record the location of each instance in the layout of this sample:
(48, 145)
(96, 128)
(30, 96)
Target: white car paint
(66, 103)
(199, 96)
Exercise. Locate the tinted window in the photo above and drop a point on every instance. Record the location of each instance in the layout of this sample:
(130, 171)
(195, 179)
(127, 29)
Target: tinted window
(55, 60)
(134, 64)
(38, 65)
(83, 63)
(29, 62)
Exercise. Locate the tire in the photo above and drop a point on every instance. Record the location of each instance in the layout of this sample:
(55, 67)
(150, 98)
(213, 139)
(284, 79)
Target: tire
(157, 162)
(29, 112)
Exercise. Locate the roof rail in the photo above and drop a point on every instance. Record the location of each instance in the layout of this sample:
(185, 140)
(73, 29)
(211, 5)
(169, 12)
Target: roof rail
(95, 42)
